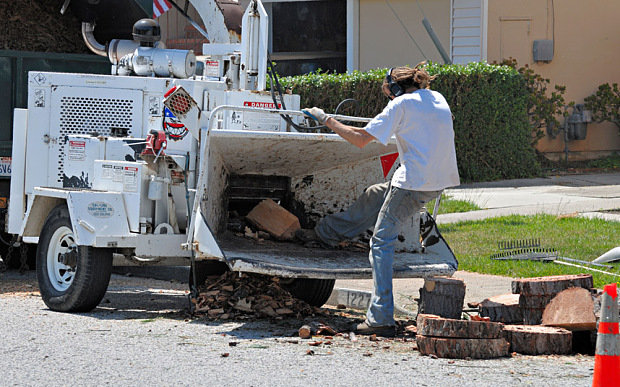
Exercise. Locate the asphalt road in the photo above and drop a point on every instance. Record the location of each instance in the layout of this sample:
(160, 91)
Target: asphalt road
(141, 335)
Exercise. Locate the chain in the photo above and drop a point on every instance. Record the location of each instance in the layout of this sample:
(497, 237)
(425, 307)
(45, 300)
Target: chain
(23, 258)
(9, 251)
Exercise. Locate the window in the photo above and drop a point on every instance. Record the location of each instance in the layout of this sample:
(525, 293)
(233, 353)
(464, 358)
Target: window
(308, 35)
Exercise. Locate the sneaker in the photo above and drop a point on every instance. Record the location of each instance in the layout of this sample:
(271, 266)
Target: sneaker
(306, 235)
(366, 329)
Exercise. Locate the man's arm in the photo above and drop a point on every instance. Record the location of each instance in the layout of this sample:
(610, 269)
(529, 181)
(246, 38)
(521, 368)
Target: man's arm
(356, 136)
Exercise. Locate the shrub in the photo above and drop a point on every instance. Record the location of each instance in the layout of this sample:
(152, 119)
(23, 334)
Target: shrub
(543, 107)
(605, 103)
(489, 104)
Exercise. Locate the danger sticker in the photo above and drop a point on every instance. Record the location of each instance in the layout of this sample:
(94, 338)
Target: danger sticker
(212, 68)
(262, 105)
(77, 150)
(130, 179)
(100, 210)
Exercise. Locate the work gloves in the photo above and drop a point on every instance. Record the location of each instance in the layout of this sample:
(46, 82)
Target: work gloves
(316, 114)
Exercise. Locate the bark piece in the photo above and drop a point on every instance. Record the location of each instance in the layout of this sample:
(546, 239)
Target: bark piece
(442, 296)
(538, 340)
(462, 348)
(551, 285)
(435, 326)
(503, 308)
(269, 216)
(572, 309)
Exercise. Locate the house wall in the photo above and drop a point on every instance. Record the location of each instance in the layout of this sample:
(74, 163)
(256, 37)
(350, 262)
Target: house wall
(383, 42)
(586, 40)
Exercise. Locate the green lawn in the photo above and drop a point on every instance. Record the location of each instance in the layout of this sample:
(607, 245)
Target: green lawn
(449, 205)
(578, 238)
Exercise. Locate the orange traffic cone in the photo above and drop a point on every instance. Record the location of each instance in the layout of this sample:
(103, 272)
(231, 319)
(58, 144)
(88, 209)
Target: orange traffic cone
(607, 357)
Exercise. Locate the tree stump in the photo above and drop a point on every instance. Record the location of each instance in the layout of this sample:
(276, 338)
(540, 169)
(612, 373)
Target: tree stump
(571, 309)
(551, 285)
(503, 308)
(431, 325)
(536, 293)
(442, 296)
(463, 348)
(538, 340)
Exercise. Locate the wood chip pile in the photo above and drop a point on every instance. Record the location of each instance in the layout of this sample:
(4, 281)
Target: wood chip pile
(231, 296)
(37, 25)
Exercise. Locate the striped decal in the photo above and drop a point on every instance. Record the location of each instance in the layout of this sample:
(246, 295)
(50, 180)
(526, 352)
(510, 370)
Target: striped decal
(160, 7)
(608, 328)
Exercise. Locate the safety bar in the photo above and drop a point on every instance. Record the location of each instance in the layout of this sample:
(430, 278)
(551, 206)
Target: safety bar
(338, 117)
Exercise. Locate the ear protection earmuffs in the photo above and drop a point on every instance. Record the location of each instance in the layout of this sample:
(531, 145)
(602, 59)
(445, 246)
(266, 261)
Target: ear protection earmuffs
(394, 87)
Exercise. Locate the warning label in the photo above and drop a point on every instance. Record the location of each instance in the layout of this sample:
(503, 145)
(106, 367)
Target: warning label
(107, 172)
(212, 68)
(262, 105)
(77, 150)
(130, 179)
(117, 175)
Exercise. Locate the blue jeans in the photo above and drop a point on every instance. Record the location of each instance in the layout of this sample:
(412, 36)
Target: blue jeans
(386, 208)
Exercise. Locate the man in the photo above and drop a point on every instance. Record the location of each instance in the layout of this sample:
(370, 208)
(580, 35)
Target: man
(421, 122)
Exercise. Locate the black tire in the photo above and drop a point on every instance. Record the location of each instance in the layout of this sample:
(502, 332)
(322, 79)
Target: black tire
(205, 269)
(314, 291)
(85, 285)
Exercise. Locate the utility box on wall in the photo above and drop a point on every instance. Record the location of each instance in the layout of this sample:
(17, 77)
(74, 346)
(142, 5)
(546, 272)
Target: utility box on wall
(543, 50)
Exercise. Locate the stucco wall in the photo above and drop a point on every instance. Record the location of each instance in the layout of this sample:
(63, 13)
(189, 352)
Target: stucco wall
(586, 54)
(383, 42)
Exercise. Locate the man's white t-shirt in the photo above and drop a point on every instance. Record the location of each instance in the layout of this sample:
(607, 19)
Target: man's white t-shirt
(421, 121)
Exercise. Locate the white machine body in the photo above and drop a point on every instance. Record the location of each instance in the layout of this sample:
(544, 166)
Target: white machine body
(153, 185)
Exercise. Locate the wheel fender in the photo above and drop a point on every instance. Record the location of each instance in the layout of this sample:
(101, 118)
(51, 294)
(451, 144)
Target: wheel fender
(93, 214)
(38, 209)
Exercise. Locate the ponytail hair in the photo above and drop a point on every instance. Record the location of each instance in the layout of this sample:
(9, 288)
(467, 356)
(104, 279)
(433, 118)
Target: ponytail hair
(408, 77)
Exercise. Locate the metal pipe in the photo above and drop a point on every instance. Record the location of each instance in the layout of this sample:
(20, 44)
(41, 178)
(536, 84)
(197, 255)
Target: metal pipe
(436, 41)
(88, 30)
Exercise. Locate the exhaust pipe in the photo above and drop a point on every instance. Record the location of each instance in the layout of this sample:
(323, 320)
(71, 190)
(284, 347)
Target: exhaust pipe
(88, 30)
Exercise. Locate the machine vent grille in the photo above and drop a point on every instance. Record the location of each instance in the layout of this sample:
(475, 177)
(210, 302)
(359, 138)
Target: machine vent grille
(85, 115)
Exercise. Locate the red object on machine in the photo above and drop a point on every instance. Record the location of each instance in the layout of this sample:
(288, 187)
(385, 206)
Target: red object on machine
(387, 161)
(156, 142)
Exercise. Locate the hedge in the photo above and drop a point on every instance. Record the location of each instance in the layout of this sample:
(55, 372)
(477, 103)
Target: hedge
(489, 104)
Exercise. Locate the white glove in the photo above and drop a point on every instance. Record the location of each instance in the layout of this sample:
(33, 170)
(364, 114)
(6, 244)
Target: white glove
(316, 114)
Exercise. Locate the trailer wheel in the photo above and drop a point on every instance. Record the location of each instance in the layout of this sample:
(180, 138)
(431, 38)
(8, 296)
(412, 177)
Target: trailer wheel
(71, 278)
(314, 291)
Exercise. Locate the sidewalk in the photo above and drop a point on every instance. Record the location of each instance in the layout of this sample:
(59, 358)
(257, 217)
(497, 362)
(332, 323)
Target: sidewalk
(585, 195)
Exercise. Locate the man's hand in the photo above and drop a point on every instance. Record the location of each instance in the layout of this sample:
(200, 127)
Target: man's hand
(316, 114)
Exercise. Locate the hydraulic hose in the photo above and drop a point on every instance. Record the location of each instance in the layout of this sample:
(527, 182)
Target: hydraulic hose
(275, 85)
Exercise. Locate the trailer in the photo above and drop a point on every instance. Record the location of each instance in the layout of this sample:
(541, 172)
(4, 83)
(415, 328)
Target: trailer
(147, 165)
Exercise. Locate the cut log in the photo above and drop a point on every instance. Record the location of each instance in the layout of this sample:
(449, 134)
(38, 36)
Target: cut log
(463, 348)
(503, 308)
(269, 216)
(532, 316)
(551, 285)
(572, 309)
(527, 301)
(305, 332)
(431, 325)
(538, 340)
(442, 296)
